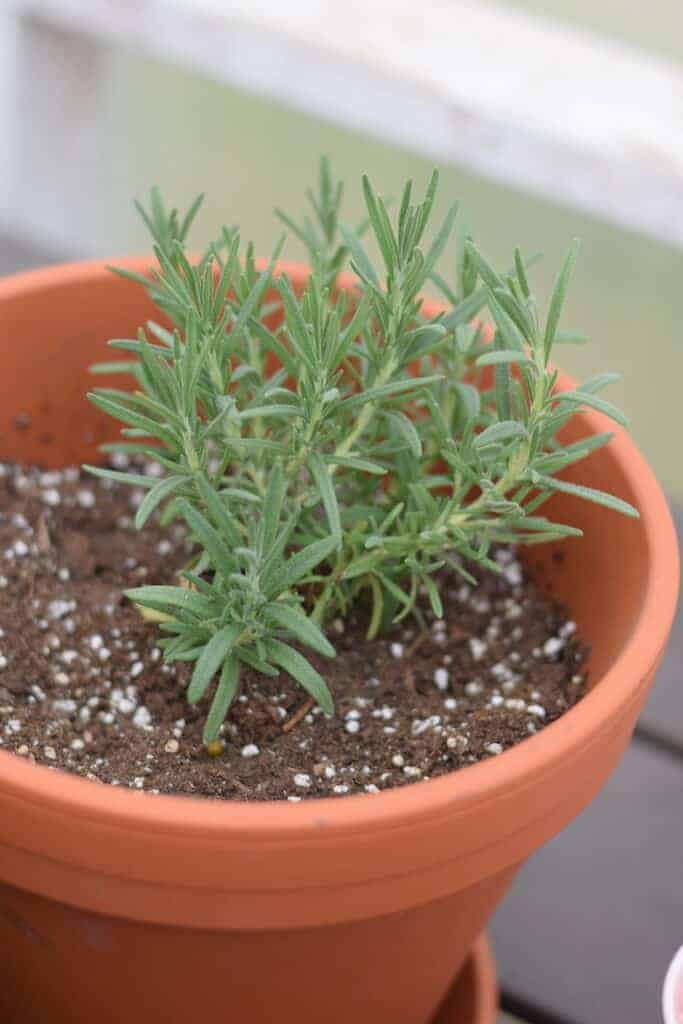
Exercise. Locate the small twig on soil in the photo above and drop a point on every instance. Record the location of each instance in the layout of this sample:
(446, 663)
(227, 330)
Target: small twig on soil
(43, 536)
(416, 645)
(298, 715)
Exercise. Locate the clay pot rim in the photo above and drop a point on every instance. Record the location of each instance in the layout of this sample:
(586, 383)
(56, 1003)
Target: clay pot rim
(608, 700)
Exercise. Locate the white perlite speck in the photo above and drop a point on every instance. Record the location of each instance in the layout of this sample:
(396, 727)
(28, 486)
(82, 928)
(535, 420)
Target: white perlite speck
(51, 477)
(51, 497)
(477, 648)
(20, 548)
(473, 689)
(513, 574)
(64, 707)
(250, 750)
(58, 609)
(536, 710)
(352, 726)
(398, 760)
(3, 662)
(515, 704)
(420, 725)
(397, 650)
(441, 679)
(172, 747)
(86, 499)
(50, 753)
(302, 780)
(142, 718)
(340, 789)
(553, 646)
(137, 669)
(494, 748)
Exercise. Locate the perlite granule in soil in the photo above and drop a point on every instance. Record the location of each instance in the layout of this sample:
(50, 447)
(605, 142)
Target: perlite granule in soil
(83, 686)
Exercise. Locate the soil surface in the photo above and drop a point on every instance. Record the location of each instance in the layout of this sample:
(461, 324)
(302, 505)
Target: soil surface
(83, 686)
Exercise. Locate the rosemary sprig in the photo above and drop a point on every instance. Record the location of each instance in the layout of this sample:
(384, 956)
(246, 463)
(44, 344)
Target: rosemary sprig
(356, 448)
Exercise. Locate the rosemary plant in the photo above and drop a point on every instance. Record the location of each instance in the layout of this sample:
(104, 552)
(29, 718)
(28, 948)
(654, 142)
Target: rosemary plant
(354, 448)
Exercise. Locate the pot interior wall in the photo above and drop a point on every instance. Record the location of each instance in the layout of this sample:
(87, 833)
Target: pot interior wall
(53, 330)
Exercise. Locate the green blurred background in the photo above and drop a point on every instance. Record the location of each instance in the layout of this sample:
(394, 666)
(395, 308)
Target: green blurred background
(189, 135)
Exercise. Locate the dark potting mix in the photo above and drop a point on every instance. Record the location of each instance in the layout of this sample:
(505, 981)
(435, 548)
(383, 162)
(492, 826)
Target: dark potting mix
(84, 688)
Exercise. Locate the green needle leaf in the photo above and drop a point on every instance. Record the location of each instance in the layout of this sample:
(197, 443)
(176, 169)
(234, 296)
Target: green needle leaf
(162, 489)
(406, 430)
(498, 433)
(281, 577)
(580, 397)
(295, 622)
(558, 297)
(223, 698)
(504, 357)
(304, 673)
(169, 598)
(323, 482)
(218, 647)
(589, 494)
(134, 479)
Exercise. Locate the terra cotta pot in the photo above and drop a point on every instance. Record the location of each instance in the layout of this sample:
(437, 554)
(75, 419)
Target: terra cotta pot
(473, 998)
(119, 906)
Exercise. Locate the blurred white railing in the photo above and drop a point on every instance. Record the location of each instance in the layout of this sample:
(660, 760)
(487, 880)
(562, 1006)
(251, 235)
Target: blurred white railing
(572, 116)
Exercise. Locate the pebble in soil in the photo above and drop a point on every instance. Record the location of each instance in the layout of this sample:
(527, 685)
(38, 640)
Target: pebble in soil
(83, 686)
